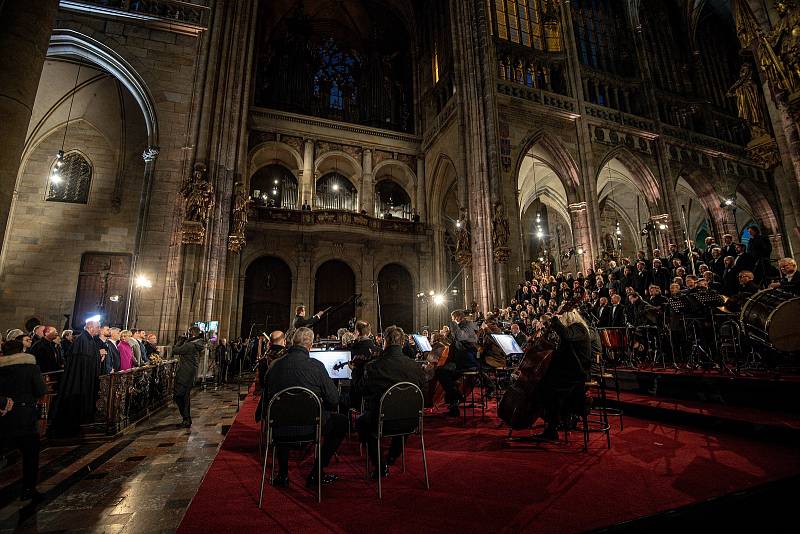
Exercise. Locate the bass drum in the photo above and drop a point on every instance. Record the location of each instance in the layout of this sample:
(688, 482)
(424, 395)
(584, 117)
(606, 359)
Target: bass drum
(770, 316)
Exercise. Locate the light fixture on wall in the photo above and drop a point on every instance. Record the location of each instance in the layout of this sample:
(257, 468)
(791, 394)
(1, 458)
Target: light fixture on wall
(55, 176)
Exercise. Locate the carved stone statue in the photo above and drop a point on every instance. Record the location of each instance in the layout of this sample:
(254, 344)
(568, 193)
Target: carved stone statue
(463, 243)
(500, 234)
(500, 228)
(240, 205)
(748, 102)
(199, 195)
(785, 40)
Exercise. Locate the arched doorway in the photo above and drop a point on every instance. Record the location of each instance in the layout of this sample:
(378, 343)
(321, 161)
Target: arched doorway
(334, 284)
(396, 297)
(275, 186)
(267, 296)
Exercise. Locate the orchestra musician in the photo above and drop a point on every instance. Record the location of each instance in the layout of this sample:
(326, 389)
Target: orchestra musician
(388, 369)
(617, 317)
(300, 318)
(462, 357)
(362, 351)
(562, 388)
(790, 280)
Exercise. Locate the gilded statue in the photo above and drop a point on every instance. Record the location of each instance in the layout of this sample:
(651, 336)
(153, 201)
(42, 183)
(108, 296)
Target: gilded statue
(779, 50)
(463, 244)
(240, 205)
(747, 100)
(199, 195)
(500, 228)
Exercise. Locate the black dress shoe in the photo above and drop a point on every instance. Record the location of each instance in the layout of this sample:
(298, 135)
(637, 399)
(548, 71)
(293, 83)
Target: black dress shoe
(31, 495)
(281, 481)
(327, 479)
(374, 475)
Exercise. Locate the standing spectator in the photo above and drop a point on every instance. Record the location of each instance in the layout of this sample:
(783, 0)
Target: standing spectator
(138, 335)
(151, 345)
(126, 357)
(67, 339)
(46, 351)
(222, 357)
(21, 381)
(111, 361)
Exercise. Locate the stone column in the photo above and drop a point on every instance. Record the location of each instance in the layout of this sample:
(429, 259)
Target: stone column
(25, 29)
(580, 231)
(421, 204)
(307, 175)
(366, 194)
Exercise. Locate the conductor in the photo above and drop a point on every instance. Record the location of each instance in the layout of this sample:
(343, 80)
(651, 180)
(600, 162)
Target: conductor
(300, 318)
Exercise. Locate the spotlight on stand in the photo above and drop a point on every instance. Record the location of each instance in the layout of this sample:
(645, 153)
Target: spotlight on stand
(431, 293)
(438, 300)
(143, 282)
(729, 202)
(114, 298)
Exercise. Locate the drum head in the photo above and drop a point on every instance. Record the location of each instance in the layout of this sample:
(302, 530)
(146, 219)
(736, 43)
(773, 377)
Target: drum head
(782, 326)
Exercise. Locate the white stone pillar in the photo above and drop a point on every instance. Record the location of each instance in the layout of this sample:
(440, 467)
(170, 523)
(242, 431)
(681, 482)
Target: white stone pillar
(307, 175)
(367, 193)
(421, 202)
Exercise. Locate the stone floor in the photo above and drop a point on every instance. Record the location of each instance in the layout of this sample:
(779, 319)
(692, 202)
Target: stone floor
(141, 481)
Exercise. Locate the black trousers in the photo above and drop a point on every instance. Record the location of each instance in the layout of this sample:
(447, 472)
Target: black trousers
(333, 432)
(28, 447)
(183, 398)
(367, 425)
(449, 380)
(561, 399)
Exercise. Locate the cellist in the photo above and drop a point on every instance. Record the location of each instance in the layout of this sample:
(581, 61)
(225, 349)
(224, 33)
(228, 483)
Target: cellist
(562, 388)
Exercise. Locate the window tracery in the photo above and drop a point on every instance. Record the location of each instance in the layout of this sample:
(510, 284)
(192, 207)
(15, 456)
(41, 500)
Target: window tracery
(70, 179)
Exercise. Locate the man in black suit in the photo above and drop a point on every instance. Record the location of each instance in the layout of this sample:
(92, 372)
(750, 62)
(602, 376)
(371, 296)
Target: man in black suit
(641, 279)
(743, 260)
(297, 368)
(603, 313)
(617, 312)
(717, 262)
(660, 276)
(728, 246)
(730, 280)
(300, 318)
(388, 369)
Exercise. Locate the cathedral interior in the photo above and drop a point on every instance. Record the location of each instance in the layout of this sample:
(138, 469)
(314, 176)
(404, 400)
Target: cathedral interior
(165, 163)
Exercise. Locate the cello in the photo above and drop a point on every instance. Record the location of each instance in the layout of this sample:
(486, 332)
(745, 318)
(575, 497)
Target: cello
(520, 406)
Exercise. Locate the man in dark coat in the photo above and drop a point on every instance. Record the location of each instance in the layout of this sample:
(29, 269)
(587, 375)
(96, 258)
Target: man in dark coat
(77, 392)
(188, 350)
(760, 249)
(390, 368)
(21, 380)
(362, 352)
(300, 318)
(222, 357)
(297, 368)
(660, 275)
(46, 352)
(463, 357)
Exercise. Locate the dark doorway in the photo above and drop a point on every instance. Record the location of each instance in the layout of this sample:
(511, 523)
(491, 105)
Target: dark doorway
(267, 296)
(103, 285)
(396, 297)
(334, 284)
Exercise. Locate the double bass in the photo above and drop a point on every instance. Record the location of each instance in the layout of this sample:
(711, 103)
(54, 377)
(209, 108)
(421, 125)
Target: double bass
(520, 405)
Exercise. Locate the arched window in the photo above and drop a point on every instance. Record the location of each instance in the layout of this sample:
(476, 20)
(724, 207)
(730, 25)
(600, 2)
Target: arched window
(392, 199)
(335, 192)
(531, 23)
(70, 179)
(274, 186)
(602, 36)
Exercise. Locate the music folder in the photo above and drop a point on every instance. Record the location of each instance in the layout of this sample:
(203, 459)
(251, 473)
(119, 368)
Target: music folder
(423, 345)
(330, 358)
(507, 343)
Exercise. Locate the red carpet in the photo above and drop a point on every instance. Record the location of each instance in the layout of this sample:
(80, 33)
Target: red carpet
(480, 484)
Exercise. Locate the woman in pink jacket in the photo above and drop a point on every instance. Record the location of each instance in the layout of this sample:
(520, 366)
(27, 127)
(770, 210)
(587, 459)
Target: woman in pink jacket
(125, 351)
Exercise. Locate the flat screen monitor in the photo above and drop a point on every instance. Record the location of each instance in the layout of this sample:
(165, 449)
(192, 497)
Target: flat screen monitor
(330, 358)
(423, 345)
(507, 343)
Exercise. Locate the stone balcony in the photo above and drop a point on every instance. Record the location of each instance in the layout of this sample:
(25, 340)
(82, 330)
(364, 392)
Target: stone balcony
(263, 218)
(190, 17)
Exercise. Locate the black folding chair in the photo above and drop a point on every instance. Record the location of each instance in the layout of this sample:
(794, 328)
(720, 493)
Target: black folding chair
(294, 417)
(400, 415)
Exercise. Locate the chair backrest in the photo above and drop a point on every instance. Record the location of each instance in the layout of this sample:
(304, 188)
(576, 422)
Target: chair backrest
(294, 407)
(401, 408)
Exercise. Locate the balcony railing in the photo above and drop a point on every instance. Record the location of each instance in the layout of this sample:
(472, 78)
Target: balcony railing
(344, 219)
(177, 15)
(539, 96)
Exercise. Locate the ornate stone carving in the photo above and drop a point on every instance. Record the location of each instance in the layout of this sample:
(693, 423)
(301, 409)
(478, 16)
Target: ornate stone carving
(463, 243)
(241, 204)
(748, 102)
(198, 194)
(500, 234)
(764, 151)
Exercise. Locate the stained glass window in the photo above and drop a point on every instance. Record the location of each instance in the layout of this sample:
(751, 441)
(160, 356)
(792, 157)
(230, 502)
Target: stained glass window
(335, 81)
(531, 23)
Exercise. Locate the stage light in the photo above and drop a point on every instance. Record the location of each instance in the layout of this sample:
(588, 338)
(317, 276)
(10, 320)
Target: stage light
(662, 226)
(143, 282)
(458, 224)
(729, 202)
(114, 298)
(276, 182)
(454, 291)
(335, 187)
(431, 293)
(540, 234)
(541, 258)
(580, 250)
(93, 318)
(438, 300)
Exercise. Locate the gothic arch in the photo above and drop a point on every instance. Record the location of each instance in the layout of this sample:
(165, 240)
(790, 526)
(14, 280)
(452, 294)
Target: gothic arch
(257, 254)
(763, 211)
(559, 159)
(65, 43)
(641, 174)
(702, 186)
(352, 173)
(271, 152)
(445, 176)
